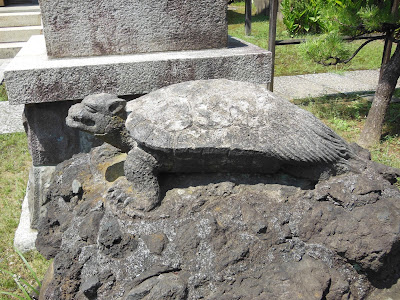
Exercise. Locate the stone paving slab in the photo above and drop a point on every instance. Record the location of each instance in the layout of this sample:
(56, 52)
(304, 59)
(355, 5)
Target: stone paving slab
(11, 118)
(297, 87)
(20, 8)
(321, 84)
(25, 237)
(341, 83)
(18, 19)
(369, 77)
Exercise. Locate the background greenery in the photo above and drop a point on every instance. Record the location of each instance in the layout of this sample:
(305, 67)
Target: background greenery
(289, 60)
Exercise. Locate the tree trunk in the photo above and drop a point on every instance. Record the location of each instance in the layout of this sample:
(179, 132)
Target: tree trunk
(372, 130)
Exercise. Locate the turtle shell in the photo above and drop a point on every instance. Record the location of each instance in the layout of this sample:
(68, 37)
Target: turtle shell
(233, 116)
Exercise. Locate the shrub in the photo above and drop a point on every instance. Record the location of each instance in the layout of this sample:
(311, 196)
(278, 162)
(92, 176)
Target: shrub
(325, 48)
(301, 17)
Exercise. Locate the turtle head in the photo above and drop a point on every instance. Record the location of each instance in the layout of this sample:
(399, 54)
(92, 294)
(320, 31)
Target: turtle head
(104, 116)
(95, 113)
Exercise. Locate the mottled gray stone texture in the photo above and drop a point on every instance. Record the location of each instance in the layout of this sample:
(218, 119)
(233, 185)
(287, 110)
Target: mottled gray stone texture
(218, 236)
(104, 27)
(50, 140)
(33, 78)
(25, 236)
(39, 178)
(11, 117)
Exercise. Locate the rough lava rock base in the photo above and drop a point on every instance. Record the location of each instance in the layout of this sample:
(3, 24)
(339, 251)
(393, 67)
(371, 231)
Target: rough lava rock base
(217, 236)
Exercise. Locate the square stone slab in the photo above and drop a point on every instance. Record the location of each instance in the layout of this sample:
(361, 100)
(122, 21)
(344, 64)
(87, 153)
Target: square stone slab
(32, 77)
(102, 27)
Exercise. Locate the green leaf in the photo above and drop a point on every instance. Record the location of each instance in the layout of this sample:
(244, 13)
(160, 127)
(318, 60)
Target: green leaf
(315, 19)
(340, 3)
(12, 295)
(29, 267)
(20, 286)
(29, 285)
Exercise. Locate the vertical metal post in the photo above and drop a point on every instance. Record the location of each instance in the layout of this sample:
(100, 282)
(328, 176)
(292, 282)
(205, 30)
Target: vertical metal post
(273, 11)
(247, 21)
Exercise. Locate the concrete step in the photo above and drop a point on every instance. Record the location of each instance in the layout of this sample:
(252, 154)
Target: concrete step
(9, 50)
(19, 34)
(19, 8)
(20, 19)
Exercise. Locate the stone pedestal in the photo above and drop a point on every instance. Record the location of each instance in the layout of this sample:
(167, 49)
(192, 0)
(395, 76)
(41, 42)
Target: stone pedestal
(50, 139)
(32, 77)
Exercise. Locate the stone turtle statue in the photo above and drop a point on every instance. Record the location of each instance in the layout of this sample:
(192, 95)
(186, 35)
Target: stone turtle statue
(211, 126)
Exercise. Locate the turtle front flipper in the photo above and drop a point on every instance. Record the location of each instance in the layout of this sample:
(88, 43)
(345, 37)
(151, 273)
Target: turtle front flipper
(141, 169)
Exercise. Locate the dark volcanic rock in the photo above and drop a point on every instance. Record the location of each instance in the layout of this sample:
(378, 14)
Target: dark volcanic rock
(218, 236)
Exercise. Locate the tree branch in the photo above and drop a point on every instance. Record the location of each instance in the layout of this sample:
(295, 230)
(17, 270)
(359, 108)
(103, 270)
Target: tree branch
(345, 61)
(359, 48)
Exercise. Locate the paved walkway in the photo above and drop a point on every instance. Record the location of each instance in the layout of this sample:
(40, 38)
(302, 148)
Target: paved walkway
(314, 85)
(289, 87)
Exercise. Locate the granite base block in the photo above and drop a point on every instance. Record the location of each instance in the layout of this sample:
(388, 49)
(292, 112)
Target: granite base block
(39, 178)
(31, 77)
(50, 140)
(25, 236)
(103, 27)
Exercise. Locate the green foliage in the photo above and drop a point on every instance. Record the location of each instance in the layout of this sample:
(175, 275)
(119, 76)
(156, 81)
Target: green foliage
(3, 93)
(370, 18)
(368, 58)
(325, 47)
(302, 17)
(363, 16)
(348, 18)
(350, 108)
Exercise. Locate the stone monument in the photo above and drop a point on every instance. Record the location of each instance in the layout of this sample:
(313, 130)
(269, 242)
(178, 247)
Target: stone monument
(128, 48)
(200, 126)
(258, 200)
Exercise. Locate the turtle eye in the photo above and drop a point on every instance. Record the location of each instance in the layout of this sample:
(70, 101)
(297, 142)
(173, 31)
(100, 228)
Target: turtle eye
(113, 107)
(116, 106)
(91, 109)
